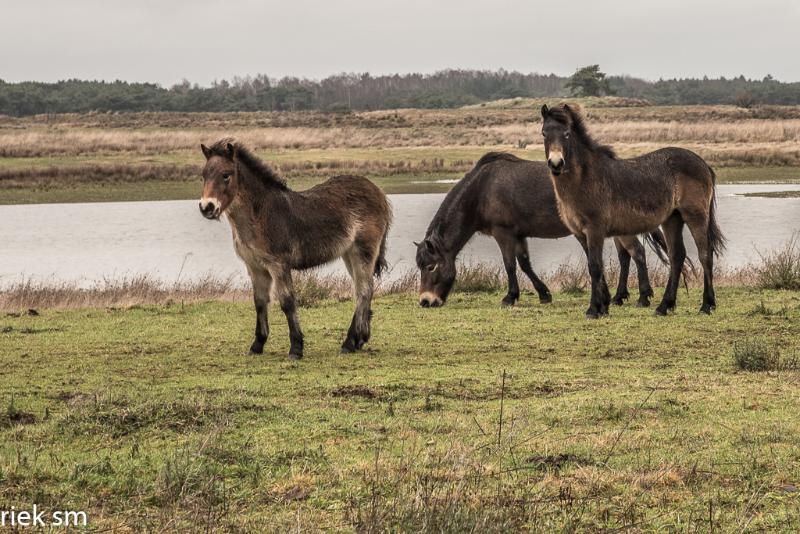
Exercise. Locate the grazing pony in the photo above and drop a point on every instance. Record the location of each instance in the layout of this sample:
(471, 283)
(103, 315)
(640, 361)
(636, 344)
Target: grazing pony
(276, 230)
(509, 199)
(600, 196)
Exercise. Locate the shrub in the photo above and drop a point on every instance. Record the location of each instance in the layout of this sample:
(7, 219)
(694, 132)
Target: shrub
(765, 311)
(756, 355)
(781, 268)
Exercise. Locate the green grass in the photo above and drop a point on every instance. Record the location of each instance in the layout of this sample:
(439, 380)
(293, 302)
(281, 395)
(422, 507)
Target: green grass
(155, 418)
(755, 175)
(400, 183)
(774, 194)
(103, 192)
(284, 156)
(189, 190)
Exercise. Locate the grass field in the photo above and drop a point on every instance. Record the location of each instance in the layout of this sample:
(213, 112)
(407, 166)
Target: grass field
(464, 417)
(155, 156)
(775, 194)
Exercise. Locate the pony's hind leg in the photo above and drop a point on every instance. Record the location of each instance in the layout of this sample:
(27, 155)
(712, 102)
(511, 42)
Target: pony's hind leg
(545, 297)
(262, 284)
(673, 233)
(284, 291)
(361, 266)
(698, 226)
(624, 257)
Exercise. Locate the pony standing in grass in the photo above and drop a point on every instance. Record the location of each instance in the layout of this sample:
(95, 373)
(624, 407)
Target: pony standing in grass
(510, 199)
(602, 196)
(276, 230)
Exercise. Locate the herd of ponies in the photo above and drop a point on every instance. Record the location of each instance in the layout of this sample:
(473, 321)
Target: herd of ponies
(582, 188)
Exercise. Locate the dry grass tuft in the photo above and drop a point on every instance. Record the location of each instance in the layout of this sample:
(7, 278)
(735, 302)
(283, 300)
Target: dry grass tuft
(312, 287)
(124, 292)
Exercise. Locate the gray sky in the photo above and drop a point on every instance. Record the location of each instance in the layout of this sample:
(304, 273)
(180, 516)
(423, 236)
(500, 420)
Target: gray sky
(202, 40)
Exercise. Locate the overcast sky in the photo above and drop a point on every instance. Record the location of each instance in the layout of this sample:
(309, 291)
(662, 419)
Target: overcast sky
(166, 41)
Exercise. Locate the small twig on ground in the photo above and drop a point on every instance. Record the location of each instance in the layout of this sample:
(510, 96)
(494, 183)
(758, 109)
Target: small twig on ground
(502, 398)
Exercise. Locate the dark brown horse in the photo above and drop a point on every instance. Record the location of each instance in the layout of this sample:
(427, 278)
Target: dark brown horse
(509, 199)
(600, 195)
(276, 230)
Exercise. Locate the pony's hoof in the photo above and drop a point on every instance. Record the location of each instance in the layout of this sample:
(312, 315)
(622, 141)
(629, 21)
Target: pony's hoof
(546, 298)
(294, 357)
(660, 312)
(256, 349)
(592, 315)
(642, 303)
(507, 302)
(706, 310)
(347, 350)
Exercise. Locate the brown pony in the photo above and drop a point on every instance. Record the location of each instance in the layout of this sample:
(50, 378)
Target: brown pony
(601, 196)
(276, 230)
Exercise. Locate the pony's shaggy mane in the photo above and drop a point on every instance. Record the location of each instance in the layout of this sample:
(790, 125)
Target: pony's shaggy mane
(434, 234)
(254, 164)
(569, 116)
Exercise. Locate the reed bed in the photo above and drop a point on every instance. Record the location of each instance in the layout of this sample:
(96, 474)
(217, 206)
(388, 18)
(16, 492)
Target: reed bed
(96, 142)
(165, 133)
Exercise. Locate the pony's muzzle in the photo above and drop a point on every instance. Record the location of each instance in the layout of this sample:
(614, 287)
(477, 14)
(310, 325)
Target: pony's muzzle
(556, 165)
(209, 208)
(555, 160)
(429, 300)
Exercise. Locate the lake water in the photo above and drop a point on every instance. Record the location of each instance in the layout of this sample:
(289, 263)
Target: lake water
(85, 243)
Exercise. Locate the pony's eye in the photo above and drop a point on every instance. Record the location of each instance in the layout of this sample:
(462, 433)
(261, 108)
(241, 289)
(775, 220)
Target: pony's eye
(566, 135)
(433, 267)
(226, 177)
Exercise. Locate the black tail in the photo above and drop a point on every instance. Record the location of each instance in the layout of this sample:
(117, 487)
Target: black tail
(381, 265)
(658, 244)
(715, 238)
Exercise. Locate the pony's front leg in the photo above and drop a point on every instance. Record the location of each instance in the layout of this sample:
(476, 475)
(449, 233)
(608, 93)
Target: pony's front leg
(645, 289)
(262, 283)
(284, 291)
(601, 297)
(633, 248)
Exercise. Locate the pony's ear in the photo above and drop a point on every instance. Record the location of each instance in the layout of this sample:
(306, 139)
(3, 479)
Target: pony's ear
(415, 244)
(429, 246)
(544, 111)
(231, 150)
(206, 151)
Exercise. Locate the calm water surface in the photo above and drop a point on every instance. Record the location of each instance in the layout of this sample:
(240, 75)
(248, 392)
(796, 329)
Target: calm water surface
(170, 240)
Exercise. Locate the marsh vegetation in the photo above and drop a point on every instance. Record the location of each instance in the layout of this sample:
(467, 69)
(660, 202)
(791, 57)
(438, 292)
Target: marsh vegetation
(141, 156)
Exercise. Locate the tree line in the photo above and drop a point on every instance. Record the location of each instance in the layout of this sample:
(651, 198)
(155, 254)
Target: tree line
(344, 92)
